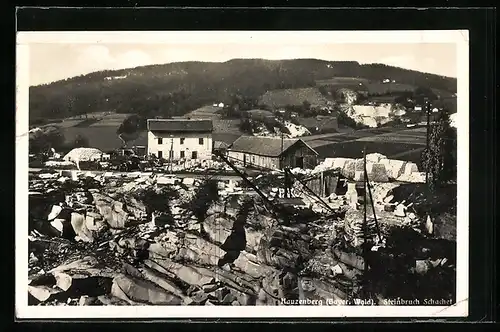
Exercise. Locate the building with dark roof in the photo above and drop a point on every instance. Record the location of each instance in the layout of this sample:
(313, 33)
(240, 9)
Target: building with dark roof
(273, 153)
(180, 139)
(320, 124)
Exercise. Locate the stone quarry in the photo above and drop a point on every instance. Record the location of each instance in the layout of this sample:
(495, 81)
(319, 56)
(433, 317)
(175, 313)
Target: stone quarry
(146, 239)
(379, 169)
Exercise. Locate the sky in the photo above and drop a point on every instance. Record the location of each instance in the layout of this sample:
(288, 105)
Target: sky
(50, 62)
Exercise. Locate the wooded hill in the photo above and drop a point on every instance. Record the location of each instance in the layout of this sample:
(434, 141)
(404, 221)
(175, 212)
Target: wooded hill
(177, 88)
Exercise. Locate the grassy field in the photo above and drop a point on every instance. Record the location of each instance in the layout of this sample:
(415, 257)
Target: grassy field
(101, 137)
(352, 83)
(401, 137)
(384, 88)
(281, 98)
(228, 126)
(205, 112)
(361, 84)
(404, 144)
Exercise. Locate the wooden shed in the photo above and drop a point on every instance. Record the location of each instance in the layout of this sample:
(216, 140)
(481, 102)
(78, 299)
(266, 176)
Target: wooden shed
(273, 153)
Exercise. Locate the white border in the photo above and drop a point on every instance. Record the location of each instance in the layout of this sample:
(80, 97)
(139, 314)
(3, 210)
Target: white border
(244, 37)
(459, 37)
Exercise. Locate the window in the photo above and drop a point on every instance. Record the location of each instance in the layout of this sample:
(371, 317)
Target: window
(200, 140)
(160, 140)
(160, 154)
(183, 155)
(182, 140)
(194, 155)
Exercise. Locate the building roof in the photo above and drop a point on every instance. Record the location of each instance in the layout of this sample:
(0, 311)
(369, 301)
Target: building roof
(180, 125)
(265, 146)
(320, 122)
(220, 145)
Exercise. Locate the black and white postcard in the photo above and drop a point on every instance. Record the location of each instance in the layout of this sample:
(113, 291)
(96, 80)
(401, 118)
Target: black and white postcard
(296, 173)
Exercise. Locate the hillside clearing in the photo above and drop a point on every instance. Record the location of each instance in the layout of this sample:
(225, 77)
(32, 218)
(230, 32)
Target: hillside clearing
(295, 97)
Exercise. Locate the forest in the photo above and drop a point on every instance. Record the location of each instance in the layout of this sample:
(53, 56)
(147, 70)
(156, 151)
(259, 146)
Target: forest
(177, 88)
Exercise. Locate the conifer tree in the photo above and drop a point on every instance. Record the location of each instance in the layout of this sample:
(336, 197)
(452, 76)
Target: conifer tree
(440, 159)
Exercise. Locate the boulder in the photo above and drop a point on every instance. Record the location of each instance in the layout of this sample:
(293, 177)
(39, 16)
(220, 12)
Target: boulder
(377, 172)
(410, 168)
(388, 199)
(90, 223)
(201, 251)
(87, 300)
(422, 266)
(166, 245)
(218, 228)
(253, 239)
(374, 157)
(165, 180)
(58, 225)
(359, 176)
(330, 290)
(79, 224)
(42, 293)
(400, 210)
(112, 300)
(56, 210)
(339, 163)
(142, 291)
(349, 258)
(395, 168)
(112, 211)
(349, 169)
(85, 267)
(193, 276)
(161, 281)
(63, 280)
(358, 165)
(248, 263)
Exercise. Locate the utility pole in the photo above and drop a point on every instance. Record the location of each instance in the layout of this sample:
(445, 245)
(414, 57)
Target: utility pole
(282, 160)
(171, 153)
(365, 230)
(427, 111)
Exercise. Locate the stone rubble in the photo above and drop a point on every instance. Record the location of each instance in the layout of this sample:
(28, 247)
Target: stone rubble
(161, 240)
(379, 169)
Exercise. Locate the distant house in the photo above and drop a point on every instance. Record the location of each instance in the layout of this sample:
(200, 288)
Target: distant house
(273, 153)
(180, 138)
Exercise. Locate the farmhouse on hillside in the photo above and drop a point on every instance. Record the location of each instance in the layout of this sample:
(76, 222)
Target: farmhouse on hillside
(176, 139)
(273, 152)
